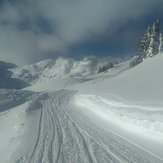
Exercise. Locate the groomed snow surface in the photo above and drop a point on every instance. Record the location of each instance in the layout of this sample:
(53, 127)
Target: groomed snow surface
(116, 116)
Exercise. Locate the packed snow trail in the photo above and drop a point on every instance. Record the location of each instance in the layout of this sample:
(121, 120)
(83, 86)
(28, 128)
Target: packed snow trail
(144, 120)
(68, 135)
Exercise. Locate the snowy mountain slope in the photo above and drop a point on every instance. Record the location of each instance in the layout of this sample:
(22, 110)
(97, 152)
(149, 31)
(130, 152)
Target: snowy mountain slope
(65, 82)
(139, 85)
(13, 104)
(115, 116)
(133, 100)
(50, 70)
(12, 98)
(50, 128)
(6, 79)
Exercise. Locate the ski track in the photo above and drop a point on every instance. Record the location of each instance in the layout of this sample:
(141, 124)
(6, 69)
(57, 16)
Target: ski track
(67, 135)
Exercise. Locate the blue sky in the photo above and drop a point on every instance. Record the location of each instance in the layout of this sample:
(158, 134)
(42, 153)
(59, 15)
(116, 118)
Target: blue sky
(32, 30)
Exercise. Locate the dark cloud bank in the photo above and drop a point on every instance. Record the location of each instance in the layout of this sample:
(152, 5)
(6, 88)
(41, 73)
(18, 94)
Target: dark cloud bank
(35, 29)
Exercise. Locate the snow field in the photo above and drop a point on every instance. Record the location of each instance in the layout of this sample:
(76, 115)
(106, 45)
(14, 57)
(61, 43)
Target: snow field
(75, 117)
(67, 134)
(10, 135)
(133, 118)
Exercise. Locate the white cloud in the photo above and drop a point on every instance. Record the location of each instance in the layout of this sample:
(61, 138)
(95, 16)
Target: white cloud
(71, 21)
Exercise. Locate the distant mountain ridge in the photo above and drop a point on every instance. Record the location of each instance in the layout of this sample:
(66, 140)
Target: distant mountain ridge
(49, 69)
(6, 79)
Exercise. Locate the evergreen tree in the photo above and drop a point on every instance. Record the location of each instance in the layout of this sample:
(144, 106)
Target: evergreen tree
(154, 40)
(143, 44)
(134, 61)
(151, 42)
(161, 43)
(141, 48)
(106, 67)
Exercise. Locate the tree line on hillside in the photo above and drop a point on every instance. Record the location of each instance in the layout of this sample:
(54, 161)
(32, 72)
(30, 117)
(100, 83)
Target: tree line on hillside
(150, 44)
(106, 67)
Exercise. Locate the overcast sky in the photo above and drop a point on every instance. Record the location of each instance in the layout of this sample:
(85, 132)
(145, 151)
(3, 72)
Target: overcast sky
(31, 30)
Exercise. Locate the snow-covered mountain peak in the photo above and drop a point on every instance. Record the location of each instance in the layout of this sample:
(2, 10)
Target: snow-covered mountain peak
(49, 70)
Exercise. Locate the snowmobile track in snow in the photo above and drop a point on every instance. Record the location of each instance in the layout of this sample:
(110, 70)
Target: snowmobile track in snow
(67, 135)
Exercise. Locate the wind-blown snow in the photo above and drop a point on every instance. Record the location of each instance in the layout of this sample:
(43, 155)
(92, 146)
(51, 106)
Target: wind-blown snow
(133, 118)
